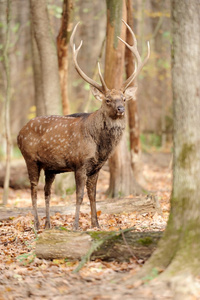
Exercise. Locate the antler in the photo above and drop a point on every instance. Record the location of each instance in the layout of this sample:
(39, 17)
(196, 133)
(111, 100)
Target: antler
(138, 63)
(102, 88)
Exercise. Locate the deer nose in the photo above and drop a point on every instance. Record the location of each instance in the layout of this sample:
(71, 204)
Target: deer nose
(120, 109)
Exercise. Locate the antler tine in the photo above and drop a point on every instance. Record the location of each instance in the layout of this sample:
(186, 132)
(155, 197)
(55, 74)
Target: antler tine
(132, 33)
(102, 79)
(102, 88)
(138, 63)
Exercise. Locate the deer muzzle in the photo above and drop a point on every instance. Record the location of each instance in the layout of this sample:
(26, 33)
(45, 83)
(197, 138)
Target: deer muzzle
(120, 110)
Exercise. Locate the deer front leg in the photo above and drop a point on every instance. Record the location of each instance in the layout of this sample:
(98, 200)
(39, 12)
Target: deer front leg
(91, 190)
(49, 178)
(34, 174)
(80, 178)
(34, 204)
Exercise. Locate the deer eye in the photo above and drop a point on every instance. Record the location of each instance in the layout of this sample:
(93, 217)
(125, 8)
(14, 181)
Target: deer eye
(124, 99)
(108, 101)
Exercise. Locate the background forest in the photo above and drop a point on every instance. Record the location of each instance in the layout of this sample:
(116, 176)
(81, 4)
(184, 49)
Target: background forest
(151, 22)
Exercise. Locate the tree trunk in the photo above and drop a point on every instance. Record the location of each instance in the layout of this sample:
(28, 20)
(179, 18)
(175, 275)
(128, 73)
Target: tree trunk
(48, 57)
(7, 105)
(121, 176)
(161, 71)
(119, 246)
(178, 250)
(133, 116)
(62, 46)
(37, 74)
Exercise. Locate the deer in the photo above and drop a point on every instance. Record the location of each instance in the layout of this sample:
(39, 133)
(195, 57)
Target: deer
(80, 142)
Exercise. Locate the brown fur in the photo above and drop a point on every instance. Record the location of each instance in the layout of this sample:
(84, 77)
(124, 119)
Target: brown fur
(79, 143)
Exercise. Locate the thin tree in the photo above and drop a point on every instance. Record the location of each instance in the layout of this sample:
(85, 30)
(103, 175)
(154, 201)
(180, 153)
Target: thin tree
(37, 75)
(47, 53)
(6, 64)
(133, 116)
(62, 47)
(121, 176)
(178, 252)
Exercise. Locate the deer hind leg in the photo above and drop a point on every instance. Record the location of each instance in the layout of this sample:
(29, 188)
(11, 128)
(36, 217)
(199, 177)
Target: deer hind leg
(34, 174)
(91, 190)
(80, 178)
(49, 178)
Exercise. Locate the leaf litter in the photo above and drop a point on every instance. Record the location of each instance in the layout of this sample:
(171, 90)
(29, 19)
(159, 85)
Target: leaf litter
(23, 275)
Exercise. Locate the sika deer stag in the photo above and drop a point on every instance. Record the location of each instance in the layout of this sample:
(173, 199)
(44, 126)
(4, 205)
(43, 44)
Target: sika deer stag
(79, 143)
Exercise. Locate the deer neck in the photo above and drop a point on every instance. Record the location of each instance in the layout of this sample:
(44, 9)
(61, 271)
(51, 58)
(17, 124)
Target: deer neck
(106, 133)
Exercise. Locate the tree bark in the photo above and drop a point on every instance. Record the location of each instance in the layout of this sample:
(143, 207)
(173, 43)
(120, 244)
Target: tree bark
(48, 57)
(7, 105)
(178, 250)
(37, 74)
(117, 246)
(161, 71)
(133, 116)
(62, 46)
(121, 175)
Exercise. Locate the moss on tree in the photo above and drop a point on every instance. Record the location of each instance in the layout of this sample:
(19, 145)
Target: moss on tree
(185, 155)
(115, 14)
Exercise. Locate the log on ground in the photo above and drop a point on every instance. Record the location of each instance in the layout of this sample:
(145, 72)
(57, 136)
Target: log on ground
(119, 246)
(18, 175)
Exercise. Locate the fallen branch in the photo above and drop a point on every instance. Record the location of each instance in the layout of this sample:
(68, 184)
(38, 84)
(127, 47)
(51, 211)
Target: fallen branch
(58, 244)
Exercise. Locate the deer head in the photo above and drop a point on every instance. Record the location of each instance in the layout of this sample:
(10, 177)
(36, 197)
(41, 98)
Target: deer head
(110, 97)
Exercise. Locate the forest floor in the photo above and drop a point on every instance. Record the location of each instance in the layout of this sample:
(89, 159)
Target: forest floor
(24, 276)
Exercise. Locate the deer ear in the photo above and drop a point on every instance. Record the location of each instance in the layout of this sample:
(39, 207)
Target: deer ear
(130, 93)
(96, 93)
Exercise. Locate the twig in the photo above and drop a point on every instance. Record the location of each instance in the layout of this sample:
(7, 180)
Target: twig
(96, 245)
(129, 249)
(159, 24)
(85, 258)
(35, 232)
